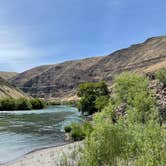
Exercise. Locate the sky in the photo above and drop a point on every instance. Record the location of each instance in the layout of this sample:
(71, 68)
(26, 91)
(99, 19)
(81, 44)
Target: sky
(38, 32)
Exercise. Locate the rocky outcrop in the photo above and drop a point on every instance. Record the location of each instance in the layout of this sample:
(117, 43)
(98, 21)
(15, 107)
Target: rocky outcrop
(160, 95)
(62, 79)
(161, 98)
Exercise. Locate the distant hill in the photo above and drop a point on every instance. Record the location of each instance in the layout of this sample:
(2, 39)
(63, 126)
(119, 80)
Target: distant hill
(61, 80)
(8, 91)
(7, 75)
(24, 77)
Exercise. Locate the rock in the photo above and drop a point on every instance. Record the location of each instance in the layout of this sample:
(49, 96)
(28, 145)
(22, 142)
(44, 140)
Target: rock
(160, 94)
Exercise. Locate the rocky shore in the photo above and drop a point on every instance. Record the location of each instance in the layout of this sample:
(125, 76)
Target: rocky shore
(53, 156)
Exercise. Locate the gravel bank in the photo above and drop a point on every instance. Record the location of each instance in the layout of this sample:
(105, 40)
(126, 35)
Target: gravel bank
(54, 156)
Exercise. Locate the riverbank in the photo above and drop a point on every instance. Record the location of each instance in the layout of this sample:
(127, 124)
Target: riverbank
(53, 156)
(24, 131)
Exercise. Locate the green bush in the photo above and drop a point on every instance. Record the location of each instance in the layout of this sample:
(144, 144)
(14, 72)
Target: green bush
(161, 76)
(93, 88)
(21, 104)
(105, 145)
(67, 129)
(77, 132)
(8, 104)
(101, 102)
(37, 103)
(132, 89)
(128, 85)
(24, 104)
(149, 144)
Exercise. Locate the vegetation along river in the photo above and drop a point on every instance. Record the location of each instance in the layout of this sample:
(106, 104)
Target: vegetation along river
(25, 131)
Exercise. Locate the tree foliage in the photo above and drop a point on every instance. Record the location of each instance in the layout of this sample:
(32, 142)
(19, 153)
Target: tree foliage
(89, 93)
(101, 102)
(132, 89)
(21, 104)
(37, 103)
(8, 104)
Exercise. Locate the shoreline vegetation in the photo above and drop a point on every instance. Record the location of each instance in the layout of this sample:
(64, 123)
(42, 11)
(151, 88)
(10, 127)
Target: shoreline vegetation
(126, 127)
(128, 130)
(9, 104)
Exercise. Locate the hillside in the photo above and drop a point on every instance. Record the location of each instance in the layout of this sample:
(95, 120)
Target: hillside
(61, 80)
(8, 91)
(7, 75)
(24, 77)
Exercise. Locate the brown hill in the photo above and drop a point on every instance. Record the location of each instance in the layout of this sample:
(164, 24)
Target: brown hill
(8, 91)
(61, 80)
(24, 77)
(7, 75)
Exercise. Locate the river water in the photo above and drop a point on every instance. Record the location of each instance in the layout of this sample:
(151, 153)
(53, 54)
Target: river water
(24, 131)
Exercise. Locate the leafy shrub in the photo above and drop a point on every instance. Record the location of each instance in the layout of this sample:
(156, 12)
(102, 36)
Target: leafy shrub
(8, 104)
(161, 76)
(67, 129)
(132, 89)
(128, 85)
(149, 144)
(21, 104)
(101, 102)
(37, 103)
(24, 104)
(77, 132)
(93, 88)
(105, 145)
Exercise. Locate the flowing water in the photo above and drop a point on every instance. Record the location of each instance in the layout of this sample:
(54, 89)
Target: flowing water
(24, 131)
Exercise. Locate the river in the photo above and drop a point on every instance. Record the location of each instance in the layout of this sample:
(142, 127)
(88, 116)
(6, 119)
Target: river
(25, 131)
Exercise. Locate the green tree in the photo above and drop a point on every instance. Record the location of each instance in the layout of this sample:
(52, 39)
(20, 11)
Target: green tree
(87, 105)
(92, 88)
(89, 92)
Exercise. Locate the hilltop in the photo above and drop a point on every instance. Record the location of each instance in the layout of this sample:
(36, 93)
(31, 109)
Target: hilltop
(7, 75)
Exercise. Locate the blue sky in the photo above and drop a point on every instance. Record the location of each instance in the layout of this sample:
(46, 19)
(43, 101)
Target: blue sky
(36, 32)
